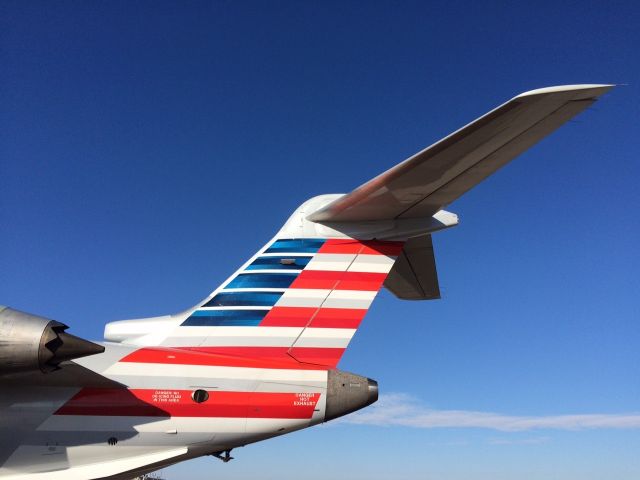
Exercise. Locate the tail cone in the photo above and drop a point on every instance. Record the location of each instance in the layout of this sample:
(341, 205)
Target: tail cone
(347, 393)
(57, 346)
(74, 347)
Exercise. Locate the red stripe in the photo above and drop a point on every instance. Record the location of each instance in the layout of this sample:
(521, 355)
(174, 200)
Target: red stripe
(338, 318)
(313, 358)
(329, 357)
(178, 403)
(288, 316)
(369, 247)
(322, 318)
(249, 357)
(332, 280)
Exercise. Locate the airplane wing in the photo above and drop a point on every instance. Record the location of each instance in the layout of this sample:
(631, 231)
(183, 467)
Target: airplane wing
(431, 179)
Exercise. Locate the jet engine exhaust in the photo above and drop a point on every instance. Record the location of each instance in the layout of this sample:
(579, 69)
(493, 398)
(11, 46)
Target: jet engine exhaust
(31, 343)
(347, 392)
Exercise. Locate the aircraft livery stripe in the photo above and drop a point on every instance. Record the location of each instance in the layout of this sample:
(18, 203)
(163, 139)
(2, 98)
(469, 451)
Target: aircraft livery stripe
(179, 403)
(366, 247)
(196, 379)
(252, 357)
(286, 262)
(278, 317)
(313, 357)
(351, 262)
(265, 333)
(299, 299)
(217, 372)
(322, 318)
(263, 280)
(300, 245)
(317, 279)
(225, 318)
(372, 263)
(251, 299)
(336, 299)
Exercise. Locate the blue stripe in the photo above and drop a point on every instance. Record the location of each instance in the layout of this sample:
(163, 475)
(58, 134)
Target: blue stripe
(263, 280)
(225, 318)
(299, 245)
(279, 263)
(248, 299)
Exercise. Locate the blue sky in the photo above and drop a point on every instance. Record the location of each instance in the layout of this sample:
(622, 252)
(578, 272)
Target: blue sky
(148, 148)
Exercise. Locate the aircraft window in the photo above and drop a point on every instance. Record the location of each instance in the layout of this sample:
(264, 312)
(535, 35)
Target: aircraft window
(225, 318)
(244, 299)
(263, 280)
(279, 263)
(200, 396)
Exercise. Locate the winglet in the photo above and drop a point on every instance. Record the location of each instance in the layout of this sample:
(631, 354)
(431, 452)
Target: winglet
(582, 92)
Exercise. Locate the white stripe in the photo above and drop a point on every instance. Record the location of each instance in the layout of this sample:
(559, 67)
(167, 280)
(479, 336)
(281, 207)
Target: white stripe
(302, 297)
(329, 342)
(331, 262)
(339, 262)
(237, 332)
(355, 299)
(208, 371)
(213, 333)
(308, 341)
(308, 297)
(259, 336)
(372, 264)
(220, 384)
(329, 332)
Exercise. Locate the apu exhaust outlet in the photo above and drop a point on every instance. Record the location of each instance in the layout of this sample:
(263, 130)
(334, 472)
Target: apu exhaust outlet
(347, 392)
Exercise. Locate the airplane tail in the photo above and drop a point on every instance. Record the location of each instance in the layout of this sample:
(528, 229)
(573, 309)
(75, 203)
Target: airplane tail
(299, 299)
(303, 295)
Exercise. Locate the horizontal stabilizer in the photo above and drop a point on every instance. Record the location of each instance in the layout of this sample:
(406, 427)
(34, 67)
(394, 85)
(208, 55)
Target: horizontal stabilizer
(414, 275)
(439, 174)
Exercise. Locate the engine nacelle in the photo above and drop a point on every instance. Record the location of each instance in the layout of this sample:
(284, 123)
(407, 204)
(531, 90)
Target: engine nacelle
(347, 392)
(31, 343)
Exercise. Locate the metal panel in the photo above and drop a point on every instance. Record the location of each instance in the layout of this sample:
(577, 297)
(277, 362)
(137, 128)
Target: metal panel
(414, 275)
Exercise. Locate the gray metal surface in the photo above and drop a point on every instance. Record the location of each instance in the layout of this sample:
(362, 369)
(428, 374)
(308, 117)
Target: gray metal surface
(347, 392)
(21, 336)
(30, 343)
(414, 275)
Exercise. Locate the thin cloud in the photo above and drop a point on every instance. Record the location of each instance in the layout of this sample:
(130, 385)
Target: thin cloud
(518, 441)
(405, 411)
